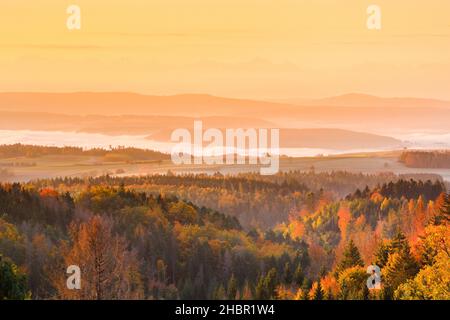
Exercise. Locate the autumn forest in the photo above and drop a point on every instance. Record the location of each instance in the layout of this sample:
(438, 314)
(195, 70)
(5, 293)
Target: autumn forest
(289, 236)
(244, 154)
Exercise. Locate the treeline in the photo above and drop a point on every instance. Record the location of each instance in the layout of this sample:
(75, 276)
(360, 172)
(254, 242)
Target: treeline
(426, 159)
(409, 189)
(32, 151)
(257, 201)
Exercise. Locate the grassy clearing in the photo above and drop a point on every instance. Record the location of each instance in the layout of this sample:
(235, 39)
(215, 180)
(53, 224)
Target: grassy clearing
(62, 165)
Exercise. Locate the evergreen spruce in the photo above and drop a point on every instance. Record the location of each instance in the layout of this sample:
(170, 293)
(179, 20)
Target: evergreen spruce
(352, 258)
(298, 276)
(318, 293)
(443, 216)
(13, 284)
(232, 288)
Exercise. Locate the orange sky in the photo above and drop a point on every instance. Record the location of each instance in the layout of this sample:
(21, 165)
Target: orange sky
(239, 48)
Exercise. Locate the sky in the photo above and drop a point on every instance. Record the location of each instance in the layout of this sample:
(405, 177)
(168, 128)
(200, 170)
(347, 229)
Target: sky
(278, 49)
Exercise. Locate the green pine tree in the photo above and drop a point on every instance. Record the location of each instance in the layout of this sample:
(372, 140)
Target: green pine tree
(352, 283)
(399, 242)
(270, 283)
(401, 266)
(287, 274)
(260, 293)
(298, 276)
(351, 258)
(13, 284)
(265, 289)
(306, 286)
(318, 293)
(188, 289)
(382, 254)
(232, 288)
(365, 292)
(322, 272)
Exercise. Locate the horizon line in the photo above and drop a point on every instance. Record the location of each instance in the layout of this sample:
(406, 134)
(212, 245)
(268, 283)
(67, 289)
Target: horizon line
(204, 94)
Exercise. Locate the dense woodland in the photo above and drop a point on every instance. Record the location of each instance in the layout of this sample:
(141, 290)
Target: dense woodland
(132, 241)
(426, 159)
(257, 201)
(111, 154)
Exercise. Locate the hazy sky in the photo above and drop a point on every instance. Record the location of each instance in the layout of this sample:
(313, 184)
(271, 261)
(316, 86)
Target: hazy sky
(239, 48)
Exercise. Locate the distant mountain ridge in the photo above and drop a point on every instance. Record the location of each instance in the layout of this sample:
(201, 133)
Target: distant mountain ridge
(377, 115)
(117, 125)
(120, 103)
(159, 128)
(124, 103)
(366, 100)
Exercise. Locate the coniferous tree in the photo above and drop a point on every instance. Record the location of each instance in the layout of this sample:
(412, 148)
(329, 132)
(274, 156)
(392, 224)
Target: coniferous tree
(265, 289)
(232, 288)
(446, 207)
(400, 267)
(443, 217)
(318, 293)
(352, 283)
(329, 295)
(287, 274)
(382, 254)
(298, 276)
(260, 290)
(305, 289)
(351, 258)
(13, 284)
(398, 243)
(365, 293)
(322, 272)
(270, 283)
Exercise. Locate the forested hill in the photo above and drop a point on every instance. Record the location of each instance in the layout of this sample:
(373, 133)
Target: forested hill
(426, 159)
(258, 201)
(160, 247)
(157, 246)
(22, 150)
(152, 247)
(408, 189)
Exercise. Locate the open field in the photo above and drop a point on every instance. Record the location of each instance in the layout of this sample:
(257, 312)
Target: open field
(22, 169)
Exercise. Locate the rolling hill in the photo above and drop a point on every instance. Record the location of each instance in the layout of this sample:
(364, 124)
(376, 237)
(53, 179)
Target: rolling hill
(351, 112)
